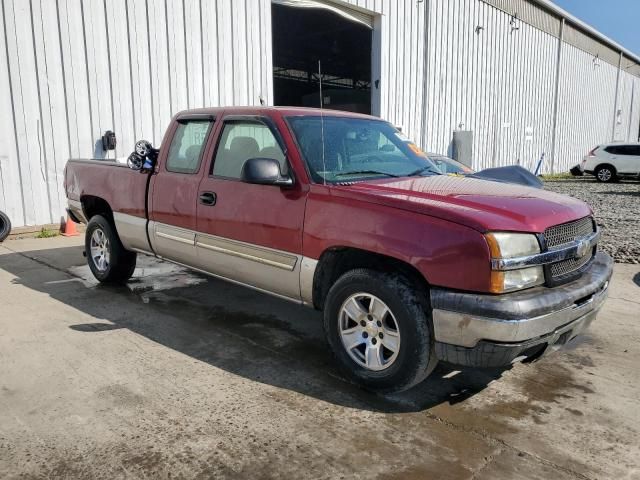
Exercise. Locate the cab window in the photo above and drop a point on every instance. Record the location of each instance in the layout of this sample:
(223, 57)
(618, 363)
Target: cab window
(187, 146)
(241, 141)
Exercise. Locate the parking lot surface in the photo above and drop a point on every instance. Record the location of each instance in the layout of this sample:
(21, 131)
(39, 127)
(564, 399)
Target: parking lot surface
(180, 375)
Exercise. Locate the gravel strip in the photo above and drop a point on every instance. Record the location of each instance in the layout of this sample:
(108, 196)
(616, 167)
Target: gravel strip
(617, 211)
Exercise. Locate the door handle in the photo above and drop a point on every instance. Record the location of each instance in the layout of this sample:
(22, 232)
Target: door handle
(208, 198)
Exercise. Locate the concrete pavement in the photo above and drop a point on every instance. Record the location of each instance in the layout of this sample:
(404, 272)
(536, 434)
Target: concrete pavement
(185, 376)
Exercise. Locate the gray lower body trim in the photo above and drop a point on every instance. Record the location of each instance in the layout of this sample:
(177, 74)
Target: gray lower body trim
(236, 282)
(132, 231)
(307, 274)
(273, 258)
(283, 274)
(264, 269)
(76, 208)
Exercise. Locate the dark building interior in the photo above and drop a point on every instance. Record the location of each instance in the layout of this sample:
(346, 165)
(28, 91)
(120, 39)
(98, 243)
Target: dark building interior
(304, 36)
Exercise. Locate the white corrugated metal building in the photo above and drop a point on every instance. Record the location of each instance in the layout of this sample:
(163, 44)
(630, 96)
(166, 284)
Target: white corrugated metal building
(525, 77)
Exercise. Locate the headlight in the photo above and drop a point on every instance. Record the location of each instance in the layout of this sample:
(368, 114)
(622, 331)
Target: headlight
(513, 245)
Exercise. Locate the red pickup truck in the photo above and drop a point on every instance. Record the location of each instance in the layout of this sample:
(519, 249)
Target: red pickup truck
(342, 213)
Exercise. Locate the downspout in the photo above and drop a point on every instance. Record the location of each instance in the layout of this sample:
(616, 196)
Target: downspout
(631, 111)
(615, 106)
(425, 62)
(556, 98)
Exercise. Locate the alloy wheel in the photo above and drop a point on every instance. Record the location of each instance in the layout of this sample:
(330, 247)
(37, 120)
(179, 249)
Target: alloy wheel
(369, 331)
(604, 174)
(99, 246)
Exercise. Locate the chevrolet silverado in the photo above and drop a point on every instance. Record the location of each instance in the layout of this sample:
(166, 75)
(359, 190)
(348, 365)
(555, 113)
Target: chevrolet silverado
(343, 213)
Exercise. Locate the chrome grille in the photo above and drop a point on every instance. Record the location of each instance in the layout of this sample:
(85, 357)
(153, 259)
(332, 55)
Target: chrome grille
(568, 232)
(560, 269)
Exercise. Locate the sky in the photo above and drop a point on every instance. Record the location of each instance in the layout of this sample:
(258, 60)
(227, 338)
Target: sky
(617, 19)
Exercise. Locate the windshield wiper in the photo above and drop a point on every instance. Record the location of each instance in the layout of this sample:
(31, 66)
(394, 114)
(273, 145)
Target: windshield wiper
(427, 168)
(365, 172)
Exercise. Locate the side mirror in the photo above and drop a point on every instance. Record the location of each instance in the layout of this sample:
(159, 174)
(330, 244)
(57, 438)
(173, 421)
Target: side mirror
(264, 171)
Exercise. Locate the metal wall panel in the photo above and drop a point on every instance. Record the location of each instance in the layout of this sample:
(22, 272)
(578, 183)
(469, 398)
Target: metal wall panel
(586, 106)
(486, 77)
(71, 69)
(499, 81)
(530, 13)
(579, 39)
(627, 120)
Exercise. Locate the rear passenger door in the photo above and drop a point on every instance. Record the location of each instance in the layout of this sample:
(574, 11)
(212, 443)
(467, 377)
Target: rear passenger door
(629, 159)
(251, 233)
(174, 191)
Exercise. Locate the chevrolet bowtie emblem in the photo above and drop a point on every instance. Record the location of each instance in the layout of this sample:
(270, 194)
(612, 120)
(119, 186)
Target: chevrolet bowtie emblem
(582, 248)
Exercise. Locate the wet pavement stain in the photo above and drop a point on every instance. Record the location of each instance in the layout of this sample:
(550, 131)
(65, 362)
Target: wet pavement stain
(537, 391)
(543, 387)
(552, 381)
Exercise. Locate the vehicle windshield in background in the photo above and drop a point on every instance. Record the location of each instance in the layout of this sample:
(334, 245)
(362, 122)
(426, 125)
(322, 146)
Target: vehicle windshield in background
(341, 149)
(449, 165)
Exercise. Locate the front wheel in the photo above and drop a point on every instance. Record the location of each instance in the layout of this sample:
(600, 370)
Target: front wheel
(380, 331)
(107, 258)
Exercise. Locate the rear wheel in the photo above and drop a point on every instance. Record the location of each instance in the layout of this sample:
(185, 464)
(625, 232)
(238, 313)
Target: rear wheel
(606, 174)
(379, 328)
(108, 260)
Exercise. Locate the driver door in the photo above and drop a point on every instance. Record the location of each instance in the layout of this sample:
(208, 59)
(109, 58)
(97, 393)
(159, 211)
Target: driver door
(252, 234)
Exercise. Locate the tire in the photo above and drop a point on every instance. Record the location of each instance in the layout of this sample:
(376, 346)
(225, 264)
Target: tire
(107, 258)
(605, 174)
(371, 364)
(5, 226)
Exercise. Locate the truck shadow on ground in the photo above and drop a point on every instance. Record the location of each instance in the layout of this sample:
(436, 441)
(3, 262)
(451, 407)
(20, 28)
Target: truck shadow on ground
(243, 332)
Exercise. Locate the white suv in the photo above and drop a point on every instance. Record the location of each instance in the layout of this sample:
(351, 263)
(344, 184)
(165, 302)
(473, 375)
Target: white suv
(611, 161)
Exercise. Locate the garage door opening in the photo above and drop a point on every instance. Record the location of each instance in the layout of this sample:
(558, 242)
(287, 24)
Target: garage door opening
(304, 36)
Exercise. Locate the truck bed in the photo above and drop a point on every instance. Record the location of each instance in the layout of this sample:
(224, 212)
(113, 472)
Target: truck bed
(125, 190)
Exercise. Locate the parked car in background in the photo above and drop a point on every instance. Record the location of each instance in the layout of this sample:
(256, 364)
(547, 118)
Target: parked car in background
(611, 161)
(340, 212)
(448, 165)
(508, 174)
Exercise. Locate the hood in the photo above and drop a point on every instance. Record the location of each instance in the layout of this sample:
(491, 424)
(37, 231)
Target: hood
(480, 204)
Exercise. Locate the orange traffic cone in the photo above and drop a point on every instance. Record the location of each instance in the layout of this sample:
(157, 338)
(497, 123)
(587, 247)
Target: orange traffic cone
(70, 229)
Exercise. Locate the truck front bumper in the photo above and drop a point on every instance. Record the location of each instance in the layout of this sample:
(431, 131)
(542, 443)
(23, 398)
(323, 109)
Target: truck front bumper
(496, 330)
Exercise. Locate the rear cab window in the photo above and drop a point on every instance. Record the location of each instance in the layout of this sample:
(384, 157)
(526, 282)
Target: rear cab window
(187, 145)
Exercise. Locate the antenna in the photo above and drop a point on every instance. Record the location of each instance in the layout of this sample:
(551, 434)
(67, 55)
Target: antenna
(324, 166)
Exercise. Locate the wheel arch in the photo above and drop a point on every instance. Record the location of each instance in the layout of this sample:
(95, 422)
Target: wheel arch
(93, 205)
(336, 261)
(606, 164)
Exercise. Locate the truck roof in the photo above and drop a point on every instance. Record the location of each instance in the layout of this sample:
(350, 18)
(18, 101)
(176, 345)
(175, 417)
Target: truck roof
(291, 111)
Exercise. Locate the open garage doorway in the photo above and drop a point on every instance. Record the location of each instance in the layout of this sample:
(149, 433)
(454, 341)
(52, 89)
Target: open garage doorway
(342, 43)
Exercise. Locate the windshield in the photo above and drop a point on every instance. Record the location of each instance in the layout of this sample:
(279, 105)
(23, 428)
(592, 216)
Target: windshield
(341, 149)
